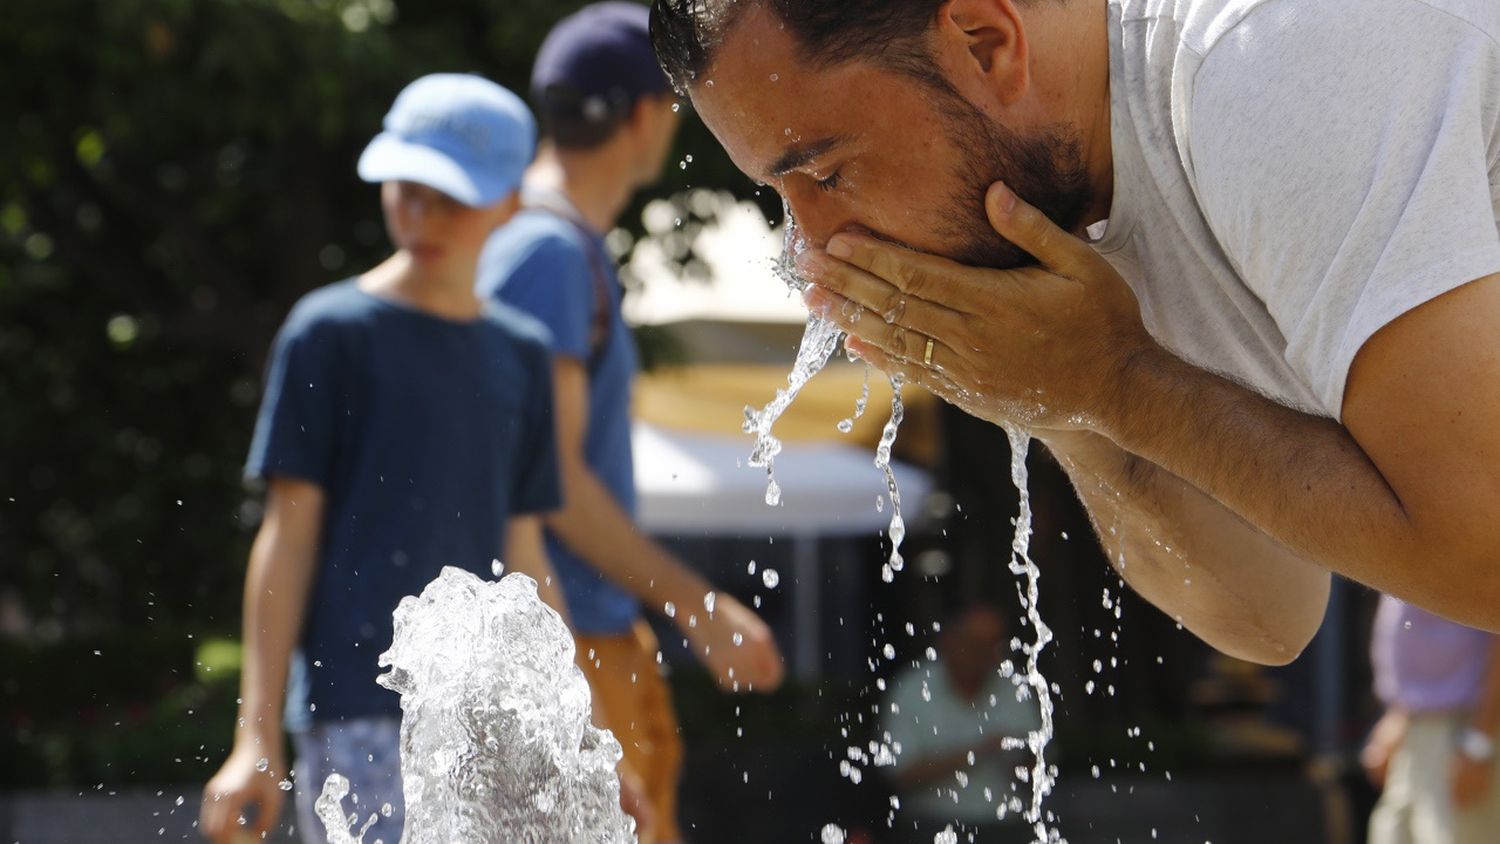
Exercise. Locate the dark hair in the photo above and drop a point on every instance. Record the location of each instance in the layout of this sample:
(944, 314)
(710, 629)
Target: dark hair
(686, 33)
(573, 121)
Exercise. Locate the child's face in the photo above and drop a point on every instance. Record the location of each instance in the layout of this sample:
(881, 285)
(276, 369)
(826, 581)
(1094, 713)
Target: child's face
(435, 229)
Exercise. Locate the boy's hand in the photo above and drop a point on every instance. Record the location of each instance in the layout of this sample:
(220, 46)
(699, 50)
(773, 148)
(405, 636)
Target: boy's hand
(734, 645)
(239, 786)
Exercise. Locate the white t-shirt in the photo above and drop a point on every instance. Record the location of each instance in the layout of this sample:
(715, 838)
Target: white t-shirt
(1292, 175)
(938, 723)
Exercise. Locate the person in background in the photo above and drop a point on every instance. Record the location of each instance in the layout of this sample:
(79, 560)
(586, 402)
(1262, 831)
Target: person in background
(1433, 751)
(608, 120)
(947, 720)
(406, 425)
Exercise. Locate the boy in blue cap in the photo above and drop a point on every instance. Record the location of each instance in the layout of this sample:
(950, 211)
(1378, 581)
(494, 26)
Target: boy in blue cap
(407, 425)
(608, 118)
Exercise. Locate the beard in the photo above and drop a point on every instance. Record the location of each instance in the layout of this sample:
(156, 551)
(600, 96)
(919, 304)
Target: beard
(1044, 168)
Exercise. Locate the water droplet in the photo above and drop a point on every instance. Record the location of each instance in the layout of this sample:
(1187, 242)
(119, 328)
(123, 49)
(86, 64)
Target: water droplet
(739, 638)
(832, 834)
(285, 785)
(750, 568)
(262, 764)
(496, 567)
(889, 650)
(669, 610)
(770, 578)
(708, 601)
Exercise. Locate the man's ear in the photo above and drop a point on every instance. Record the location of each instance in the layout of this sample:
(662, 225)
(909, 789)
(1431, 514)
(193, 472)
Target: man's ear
(989, 38)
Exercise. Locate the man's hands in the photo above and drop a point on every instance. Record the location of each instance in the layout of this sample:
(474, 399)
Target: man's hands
(240, 789)
(733, 644)
(1042, 348)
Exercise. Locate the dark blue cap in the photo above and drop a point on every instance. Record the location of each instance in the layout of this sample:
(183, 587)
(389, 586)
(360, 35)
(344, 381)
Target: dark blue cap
(600, 58)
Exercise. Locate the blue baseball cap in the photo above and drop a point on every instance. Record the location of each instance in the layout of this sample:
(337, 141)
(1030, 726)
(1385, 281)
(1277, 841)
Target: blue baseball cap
(457, 133)
(600, 57)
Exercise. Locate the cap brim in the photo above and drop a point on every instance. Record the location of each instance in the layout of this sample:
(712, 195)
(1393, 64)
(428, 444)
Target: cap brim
(391, 159)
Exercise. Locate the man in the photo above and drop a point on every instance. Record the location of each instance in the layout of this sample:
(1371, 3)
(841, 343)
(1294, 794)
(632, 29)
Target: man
(608, 118)
(950, 718)
(1301, 196)
(1433, 752)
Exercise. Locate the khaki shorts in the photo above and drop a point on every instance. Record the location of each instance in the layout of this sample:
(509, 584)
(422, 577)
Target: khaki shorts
(638, 710)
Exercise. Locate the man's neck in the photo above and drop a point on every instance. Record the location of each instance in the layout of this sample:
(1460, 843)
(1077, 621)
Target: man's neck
(447, 293)
(1071, 42)
(597, 183)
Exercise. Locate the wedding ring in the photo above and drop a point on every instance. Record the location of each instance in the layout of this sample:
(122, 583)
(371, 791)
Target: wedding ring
(927, 354)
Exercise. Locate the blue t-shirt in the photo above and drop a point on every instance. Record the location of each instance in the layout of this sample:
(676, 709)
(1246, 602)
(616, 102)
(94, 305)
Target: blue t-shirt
(544, 265)
(426, 435)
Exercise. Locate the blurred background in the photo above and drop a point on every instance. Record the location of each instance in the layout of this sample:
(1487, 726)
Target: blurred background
(174, 174)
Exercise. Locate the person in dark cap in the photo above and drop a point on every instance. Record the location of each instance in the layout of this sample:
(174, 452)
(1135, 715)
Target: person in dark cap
(608, 119)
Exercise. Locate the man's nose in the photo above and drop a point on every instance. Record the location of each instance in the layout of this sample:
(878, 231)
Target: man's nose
(816, 217)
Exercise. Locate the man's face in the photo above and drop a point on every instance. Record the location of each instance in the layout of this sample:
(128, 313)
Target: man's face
(861, 147)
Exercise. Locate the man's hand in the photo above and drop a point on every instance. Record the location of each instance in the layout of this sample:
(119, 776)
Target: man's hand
(1042, 348)
(636, 802)
(734, 645)
(1470, 781)
(1384, 739)
(240, 789)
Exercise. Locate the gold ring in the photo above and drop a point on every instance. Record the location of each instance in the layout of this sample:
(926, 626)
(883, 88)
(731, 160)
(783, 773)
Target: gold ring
(927, 354)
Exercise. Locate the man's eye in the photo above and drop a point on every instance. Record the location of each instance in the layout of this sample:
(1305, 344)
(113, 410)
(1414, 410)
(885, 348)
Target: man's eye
(830, 183)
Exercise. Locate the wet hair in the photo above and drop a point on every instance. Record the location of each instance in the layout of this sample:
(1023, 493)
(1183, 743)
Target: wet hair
(892, 33)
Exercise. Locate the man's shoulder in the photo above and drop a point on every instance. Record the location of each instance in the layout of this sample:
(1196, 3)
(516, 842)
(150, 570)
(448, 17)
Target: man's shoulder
(537, 231)
(518, 327)
(1252, 30)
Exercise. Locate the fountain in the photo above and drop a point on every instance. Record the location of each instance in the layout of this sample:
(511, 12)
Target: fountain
(496, 740)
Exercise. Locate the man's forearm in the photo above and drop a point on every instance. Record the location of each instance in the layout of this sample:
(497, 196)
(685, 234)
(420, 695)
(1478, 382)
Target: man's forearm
(1300, 479)
(1229, 583)
(595, 527)
(1486, 716)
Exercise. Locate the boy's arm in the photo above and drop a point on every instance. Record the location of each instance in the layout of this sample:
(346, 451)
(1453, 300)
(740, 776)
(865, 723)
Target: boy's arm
(733, 642)
(277, 585)
(526, 552)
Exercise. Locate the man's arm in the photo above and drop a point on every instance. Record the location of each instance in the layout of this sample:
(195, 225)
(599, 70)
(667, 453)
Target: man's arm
(594, 526)
(1472, 776)
(1402, 499)
(277, 584)
(1220, 577)
(526, 552)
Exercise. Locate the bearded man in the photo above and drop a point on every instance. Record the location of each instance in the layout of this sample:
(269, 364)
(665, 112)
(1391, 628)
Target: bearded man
(1235, 262)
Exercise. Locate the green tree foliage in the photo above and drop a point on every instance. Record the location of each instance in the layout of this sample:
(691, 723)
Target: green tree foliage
(174, 174)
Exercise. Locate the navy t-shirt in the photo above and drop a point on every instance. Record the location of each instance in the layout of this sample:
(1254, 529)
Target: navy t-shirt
(543, 265)
(426, 435)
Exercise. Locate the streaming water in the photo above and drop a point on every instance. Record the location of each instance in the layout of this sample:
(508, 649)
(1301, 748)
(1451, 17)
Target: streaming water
(496, 740)
(1042, 775)
(819, 341)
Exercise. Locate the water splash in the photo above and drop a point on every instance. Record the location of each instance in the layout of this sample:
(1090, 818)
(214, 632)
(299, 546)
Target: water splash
(819, 341)
(1042, 776)
(846, 425)
(496, 740)
(897, 529)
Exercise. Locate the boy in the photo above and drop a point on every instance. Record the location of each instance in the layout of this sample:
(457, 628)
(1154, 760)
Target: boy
(406, 425)
(608, 119)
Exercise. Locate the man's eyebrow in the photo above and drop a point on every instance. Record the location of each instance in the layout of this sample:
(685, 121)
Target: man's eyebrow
(800, 154)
